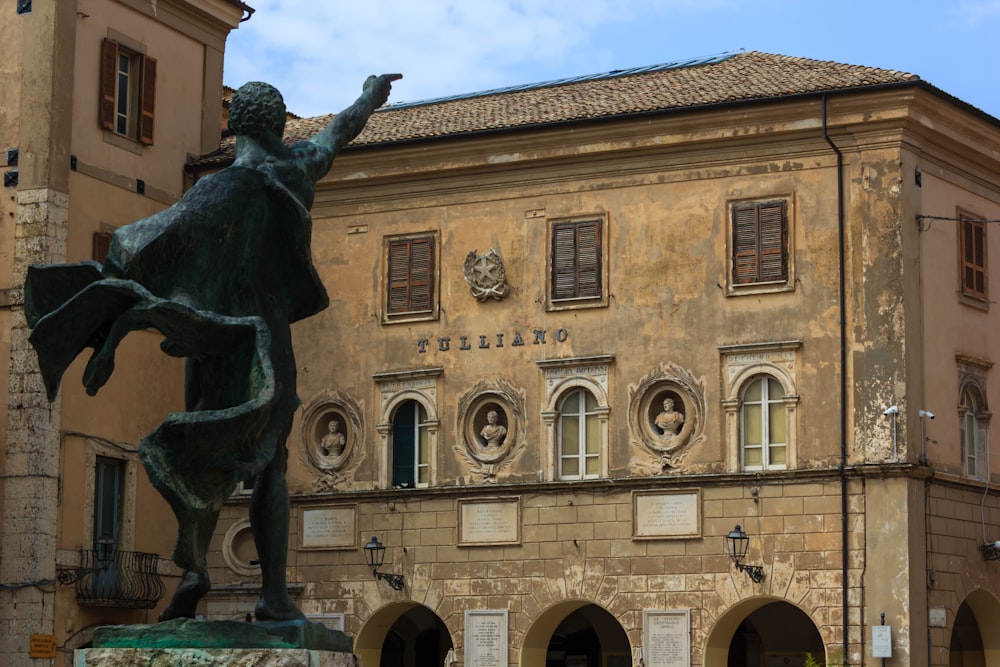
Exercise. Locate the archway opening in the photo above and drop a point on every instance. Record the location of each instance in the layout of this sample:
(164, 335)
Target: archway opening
(970, 646)
(764, 631)
(576, 634)
(403, 635)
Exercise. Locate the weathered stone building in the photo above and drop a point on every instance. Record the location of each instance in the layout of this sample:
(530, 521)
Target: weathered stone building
(710, 293)
(579, 331)
(103, 103)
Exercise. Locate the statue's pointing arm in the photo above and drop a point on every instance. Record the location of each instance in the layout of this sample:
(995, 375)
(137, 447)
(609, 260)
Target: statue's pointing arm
(348, 124)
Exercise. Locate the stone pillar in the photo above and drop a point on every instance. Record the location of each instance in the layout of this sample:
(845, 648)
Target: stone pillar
(31, 471)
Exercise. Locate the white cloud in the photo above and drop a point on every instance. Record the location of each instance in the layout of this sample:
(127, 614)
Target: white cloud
(320, 54)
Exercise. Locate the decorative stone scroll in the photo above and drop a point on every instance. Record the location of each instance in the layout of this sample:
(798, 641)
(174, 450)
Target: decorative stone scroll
(491, 425)
(331, 428)
(667, 415)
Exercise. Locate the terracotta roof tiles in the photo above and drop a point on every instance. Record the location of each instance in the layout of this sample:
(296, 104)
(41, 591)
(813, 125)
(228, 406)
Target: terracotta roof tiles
(725, 79)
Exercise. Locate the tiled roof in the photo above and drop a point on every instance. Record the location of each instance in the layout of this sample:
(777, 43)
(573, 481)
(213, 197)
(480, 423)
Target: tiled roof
(725, 79)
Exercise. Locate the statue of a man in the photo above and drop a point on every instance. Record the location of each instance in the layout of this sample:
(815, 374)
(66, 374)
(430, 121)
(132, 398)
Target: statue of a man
(222, 274)
(669, 421)
(493, 433)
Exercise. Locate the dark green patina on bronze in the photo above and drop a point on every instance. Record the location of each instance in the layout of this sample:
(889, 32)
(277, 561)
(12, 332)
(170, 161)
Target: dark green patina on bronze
(222, 274)
(190, 633)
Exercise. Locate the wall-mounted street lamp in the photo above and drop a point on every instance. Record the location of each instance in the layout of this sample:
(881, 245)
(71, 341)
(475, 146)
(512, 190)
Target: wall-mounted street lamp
(375, 554)
(737, 543)
(991, 550)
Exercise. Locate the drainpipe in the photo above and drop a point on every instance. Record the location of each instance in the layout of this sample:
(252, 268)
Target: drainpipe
(843, 383)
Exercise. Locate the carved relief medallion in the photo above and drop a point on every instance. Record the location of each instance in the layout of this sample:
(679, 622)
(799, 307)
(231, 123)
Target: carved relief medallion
(486, 275)
(331, 429)
(667, 414)
(491, 424)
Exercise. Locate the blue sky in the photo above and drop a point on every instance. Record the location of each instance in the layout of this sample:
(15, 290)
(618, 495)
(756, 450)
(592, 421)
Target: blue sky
(318, 54)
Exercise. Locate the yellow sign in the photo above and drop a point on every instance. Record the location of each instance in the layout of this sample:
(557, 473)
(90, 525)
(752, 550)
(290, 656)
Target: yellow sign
(42, 646)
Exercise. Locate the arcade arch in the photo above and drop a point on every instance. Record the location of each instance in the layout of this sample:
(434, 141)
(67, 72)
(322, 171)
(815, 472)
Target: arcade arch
(574, 630)
(759, 628)
(403, 634)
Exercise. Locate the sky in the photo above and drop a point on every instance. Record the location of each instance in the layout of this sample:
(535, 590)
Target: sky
(319, 53)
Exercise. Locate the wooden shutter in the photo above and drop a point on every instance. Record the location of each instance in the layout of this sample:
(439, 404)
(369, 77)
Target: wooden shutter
(411, 275)
(147, 99)
(109, 80)
(576, 259)
(974, 258)
(101, 246)
(760, 242)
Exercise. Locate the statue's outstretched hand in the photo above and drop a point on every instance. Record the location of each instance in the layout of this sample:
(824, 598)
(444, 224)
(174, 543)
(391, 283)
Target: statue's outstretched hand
(379, 87)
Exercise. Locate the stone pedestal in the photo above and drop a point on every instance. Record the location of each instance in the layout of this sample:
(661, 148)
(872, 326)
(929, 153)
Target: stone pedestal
(196, 643)
(217, 657)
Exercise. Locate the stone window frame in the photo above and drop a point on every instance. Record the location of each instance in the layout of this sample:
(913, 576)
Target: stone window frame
(743, 363)
(394, 389)
(554, 303)
(563, 375)
(786, 284)
(972, 382)
(432, 237)
(95, 447)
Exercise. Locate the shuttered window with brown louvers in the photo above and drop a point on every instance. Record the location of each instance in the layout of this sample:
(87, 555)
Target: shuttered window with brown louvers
(411, 275)
(973, 257)
(127, 90)
(760, 242)
(576, 260)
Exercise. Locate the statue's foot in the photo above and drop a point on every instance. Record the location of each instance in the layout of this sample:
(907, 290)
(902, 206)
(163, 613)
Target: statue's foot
(277, 610)
(184, 604)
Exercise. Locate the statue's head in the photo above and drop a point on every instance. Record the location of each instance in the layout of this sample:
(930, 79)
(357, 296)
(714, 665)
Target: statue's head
(256, 108)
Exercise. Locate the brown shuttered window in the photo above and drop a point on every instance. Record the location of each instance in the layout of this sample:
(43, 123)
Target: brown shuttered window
(411, 275)
(576, 260)
(974, 275)
(147, 99)
(760, 242)
(128, 92)
(101, 246)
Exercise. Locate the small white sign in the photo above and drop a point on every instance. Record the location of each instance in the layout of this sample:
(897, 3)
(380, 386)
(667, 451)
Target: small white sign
(881, 641)
(938, 617)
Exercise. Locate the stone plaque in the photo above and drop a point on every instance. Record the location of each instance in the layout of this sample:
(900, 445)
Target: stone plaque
(676, 514)
(486, 638)
(488, 522)
(329, 528)
(666, 637)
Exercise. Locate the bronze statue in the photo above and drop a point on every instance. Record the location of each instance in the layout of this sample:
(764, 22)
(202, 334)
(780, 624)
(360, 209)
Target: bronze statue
(221, 274)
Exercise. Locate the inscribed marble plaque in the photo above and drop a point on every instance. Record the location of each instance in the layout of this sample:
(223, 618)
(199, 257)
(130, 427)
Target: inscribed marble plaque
(667, 515)
(489, 522)
(486, 638)
(666, 637)
(329, 528)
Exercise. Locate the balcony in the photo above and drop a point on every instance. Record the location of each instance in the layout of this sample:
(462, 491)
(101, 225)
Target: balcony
(108, 577)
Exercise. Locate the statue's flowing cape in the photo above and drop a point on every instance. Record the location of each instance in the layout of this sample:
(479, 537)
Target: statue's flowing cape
(221, 274)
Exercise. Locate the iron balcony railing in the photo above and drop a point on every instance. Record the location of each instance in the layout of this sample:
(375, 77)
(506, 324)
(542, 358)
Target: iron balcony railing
(108, 577)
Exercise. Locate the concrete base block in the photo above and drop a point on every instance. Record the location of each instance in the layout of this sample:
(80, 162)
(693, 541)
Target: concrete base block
(217, 657)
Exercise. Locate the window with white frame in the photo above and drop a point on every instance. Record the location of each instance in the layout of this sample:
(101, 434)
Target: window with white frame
(763, 442)
(128, 91)
(973, 418)
(410, 446)
(408, 427)
(973, 414)
(761, 404)
(576, 415)
(579, 436)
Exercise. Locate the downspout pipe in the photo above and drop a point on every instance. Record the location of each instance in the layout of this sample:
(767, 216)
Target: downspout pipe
(842, 292)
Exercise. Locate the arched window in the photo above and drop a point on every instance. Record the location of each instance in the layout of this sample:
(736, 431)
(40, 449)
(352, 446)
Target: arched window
(763, 425)
(579, 436)
(973, 433)
(410, 446)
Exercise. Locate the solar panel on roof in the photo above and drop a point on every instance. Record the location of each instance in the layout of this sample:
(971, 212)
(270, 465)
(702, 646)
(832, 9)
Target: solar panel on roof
(646, 69)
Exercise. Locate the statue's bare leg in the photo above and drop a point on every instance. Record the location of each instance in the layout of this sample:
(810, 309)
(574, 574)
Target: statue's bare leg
(269, 509)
